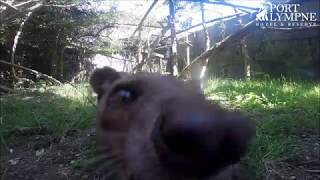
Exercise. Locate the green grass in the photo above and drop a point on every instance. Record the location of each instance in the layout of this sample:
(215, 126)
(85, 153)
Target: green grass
(57, 108)
(283, 111)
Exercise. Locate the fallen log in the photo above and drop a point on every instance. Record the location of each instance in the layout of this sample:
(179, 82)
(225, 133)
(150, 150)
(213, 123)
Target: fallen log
(5, 89)
(37, 73)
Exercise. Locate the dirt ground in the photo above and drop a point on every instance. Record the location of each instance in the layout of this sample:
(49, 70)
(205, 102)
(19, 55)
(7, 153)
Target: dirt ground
(302, 166)
(40, 156)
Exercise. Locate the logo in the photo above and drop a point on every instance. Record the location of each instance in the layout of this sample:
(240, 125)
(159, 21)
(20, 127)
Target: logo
(286, 16)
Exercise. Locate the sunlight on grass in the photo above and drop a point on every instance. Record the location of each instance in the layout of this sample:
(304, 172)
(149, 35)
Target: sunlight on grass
(57, 108)
(282, 110)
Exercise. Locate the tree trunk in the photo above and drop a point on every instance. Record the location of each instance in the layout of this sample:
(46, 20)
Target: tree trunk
(124, 67)
(207, 47)
(15, 43)
(246, 59)
(60, 64)
(139, 53)
(153, 45)
(173, 64)
(54, 61)
(148, 59)
(187, 61)
(187, 48)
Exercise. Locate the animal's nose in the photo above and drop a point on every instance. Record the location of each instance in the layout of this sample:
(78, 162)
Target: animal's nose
(197, 140)
(187, 133)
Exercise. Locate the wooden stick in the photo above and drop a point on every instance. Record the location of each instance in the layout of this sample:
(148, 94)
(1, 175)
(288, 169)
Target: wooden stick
(6, 89)
(144, 17)
(207, 22)
(230, 4)
(37, 73)
(223, 3)
(8, 6)
(220, 45)
(154, 44)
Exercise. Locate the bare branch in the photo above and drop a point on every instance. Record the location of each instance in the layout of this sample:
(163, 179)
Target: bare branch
(154, 44)
(22, 12)
(129, 24)
(17, 36)
(15, 43)
(37, 73)
(230, 4)
(138, 66)
(144, 17)
(220, 45)
(60, 6)
(223, 3)
(116, 58)
(152, 48)
(5, 89)
(292, 29)
(24, 3)
(210, 21)
(8, 6)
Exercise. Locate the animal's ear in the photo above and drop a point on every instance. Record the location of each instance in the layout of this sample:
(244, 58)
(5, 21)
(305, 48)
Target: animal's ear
(102, 78)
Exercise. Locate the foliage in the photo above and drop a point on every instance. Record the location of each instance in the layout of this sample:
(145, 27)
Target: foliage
(78, 26)
(284, 111)
(72, 23)
(57, 108)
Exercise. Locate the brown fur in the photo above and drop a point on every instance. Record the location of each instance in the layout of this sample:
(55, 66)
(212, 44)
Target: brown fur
(159, 128)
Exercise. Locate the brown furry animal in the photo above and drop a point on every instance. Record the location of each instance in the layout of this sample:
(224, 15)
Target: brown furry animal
(159, 128)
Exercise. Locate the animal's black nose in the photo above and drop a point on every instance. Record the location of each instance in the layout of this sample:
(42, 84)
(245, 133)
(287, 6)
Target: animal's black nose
(197, 140)
(188, 133)
(188, 141)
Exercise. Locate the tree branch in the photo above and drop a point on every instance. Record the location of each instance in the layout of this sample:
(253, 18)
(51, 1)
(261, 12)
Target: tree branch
(230, 4)
(5, 89)
(155, 43)
(8, 6)
(223, 3)
(130, 24)
(24, 3)
(220, 45)
(292, 29)
(144, 17)
(37, 73)
(207, 22)
(152, 48)
(60, 6)
(15, 43)
(20, 12)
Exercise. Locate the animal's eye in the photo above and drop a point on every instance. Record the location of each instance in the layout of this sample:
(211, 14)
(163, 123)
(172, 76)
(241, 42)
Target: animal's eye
(125, 96)
(121, 96)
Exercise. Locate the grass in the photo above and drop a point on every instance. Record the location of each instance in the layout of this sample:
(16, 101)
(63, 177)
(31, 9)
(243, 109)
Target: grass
(57, 108)
(284, 111)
